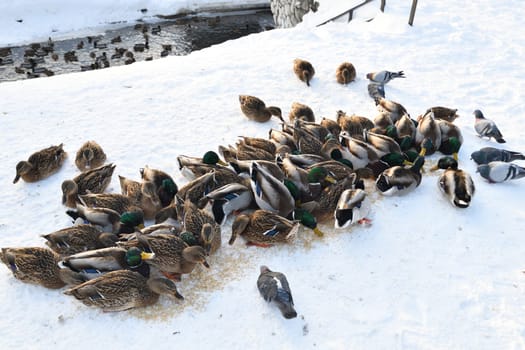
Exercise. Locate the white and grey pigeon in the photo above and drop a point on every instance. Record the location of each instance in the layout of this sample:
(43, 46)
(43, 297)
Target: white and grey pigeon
(274, 288)
(500, 171)
(486, 127)
(486, 155)
(384, 76)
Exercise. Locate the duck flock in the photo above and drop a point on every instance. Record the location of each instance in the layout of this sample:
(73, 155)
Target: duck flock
(305, 173)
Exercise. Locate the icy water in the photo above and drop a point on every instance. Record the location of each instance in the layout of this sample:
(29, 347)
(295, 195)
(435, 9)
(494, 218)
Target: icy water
(126, 45)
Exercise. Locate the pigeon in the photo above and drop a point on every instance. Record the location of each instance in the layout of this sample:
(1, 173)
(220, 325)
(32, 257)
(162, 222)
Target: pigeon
(500, 171)
(376, 91)
(490, 154)
(274, 287)
(384, 76)
(487, 127)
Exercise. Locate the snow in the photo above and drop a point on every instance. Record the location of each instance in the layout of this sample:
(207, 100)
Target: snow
(425, 275)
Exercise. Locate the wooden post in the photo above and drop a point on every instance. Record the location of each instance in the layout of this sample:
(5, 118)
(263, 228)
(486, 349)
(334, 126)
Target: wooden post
(382, 5)
(412, 12)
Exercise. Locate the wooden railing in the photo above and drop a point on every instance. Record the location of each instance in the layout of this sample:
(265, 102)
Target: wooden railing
(349, 12)
(412, 10)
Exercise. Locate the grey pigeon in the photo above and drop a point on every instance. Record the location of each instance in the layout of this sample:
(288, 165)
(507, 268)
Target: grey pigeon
(500, 171)
(490, 154)
(384, 76)
(376, 91)
(274, 287)
(487, 127)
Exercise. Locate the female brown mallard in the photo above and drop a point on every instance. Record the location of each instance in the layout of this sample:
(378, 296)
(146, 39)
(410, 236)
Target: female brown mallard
(143, 194)
(172, 255)
(41, 164)
(39, 266)
(90, 155)
(328, 198)
(345, 73)
(263, 228)
(255, 109)
(123, 290)
(79, 238)
(194, 220)
(301, 111)
(114, 201)
(303, 70)
(91, 181)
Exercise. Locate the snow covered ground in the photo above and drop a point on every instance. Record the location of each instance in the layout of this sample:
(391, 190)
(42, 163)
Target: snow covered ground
(425, 275)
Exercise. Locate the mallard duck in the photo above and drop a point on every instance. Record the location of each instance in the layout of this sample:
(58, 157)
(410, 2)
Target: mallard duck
(486, 155)
(41, 164)
(114, 201)
(90, 155)
(94, 180)
(303, 70)
(382, 144)
(446, 162)
(395, 109)
(244, 166)
(451, 138)
(195, 190)
(229, 198)
(255, 109)
(123, 290)
(457, 185)
(92, 263)
(194, 219)
(144, 195)
(399, 180)
(354, 125)
(302, 112)
(309, 182)
(39, 266)
(353, 207)
(118, 223)
(444, 113)
(306, 218)
(336, 168)
(248, 152)
(486, 127)
(274, 287)
(332, 126)
(189, 166)
(361, 152)
(78, 238)
(382, 120)
(406, 132)
(259, 142)
(307, 142)
(345, 73)
(282, 138)
(428, 134)
(172, 255)
(263, 228)
(270, 193)
(166, 186)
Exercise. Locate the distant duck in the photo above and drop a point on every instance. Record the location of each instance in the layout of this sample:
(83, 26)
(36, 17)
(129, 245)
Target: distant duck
(301, 111)
(345, 73)
(156, 30)
(303, 70)
(117, 39)
(94, 180)
(255, 109)
(263, 228)
(444, 113)
(80, 45)
(166, 186)
(274, 288)
(384, 76)
(353, 207)
(451, 138)
(38, 266)
(123, 290)
(41, 164)
(489, 154)
(399, 180)
(428, 134)
(457, 185)
(90, 155)
(486, 127)
(497, 171)
(79, 238)
(228, 199)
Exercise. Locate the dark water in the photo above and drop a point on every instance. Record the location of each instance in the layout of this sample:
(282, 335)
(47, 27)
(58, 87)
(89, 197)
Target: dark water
(178, 36)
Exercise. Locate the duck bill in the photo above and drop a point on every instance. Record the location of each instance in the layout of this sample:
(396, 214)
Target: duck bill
(330, 179)
(232, 239)
(223, 163)
(423, 152)
(318, 232)
(140, 226)
(455, 156)
(147, 256)
(434, 168)
(206, 265)
(17, 177)
(178, 295)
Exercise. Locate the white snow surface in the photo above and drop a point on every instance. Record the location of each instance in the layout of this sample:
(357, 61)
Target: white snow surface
(424, 275)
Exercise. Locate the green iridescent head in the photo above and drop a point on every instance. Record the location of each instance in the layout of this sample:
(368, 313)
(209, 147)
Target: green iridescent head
(447, 163)
(132, 218)
(391, 131)
(189, 238)
(336, 154)
(450, 146)
(292, 188)
(307, 219)
(210, 158)
(134, 257)
(169, 186)
(405, 143)
(346, 162)
(411, 155)
(393, 159)
(320, 174)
